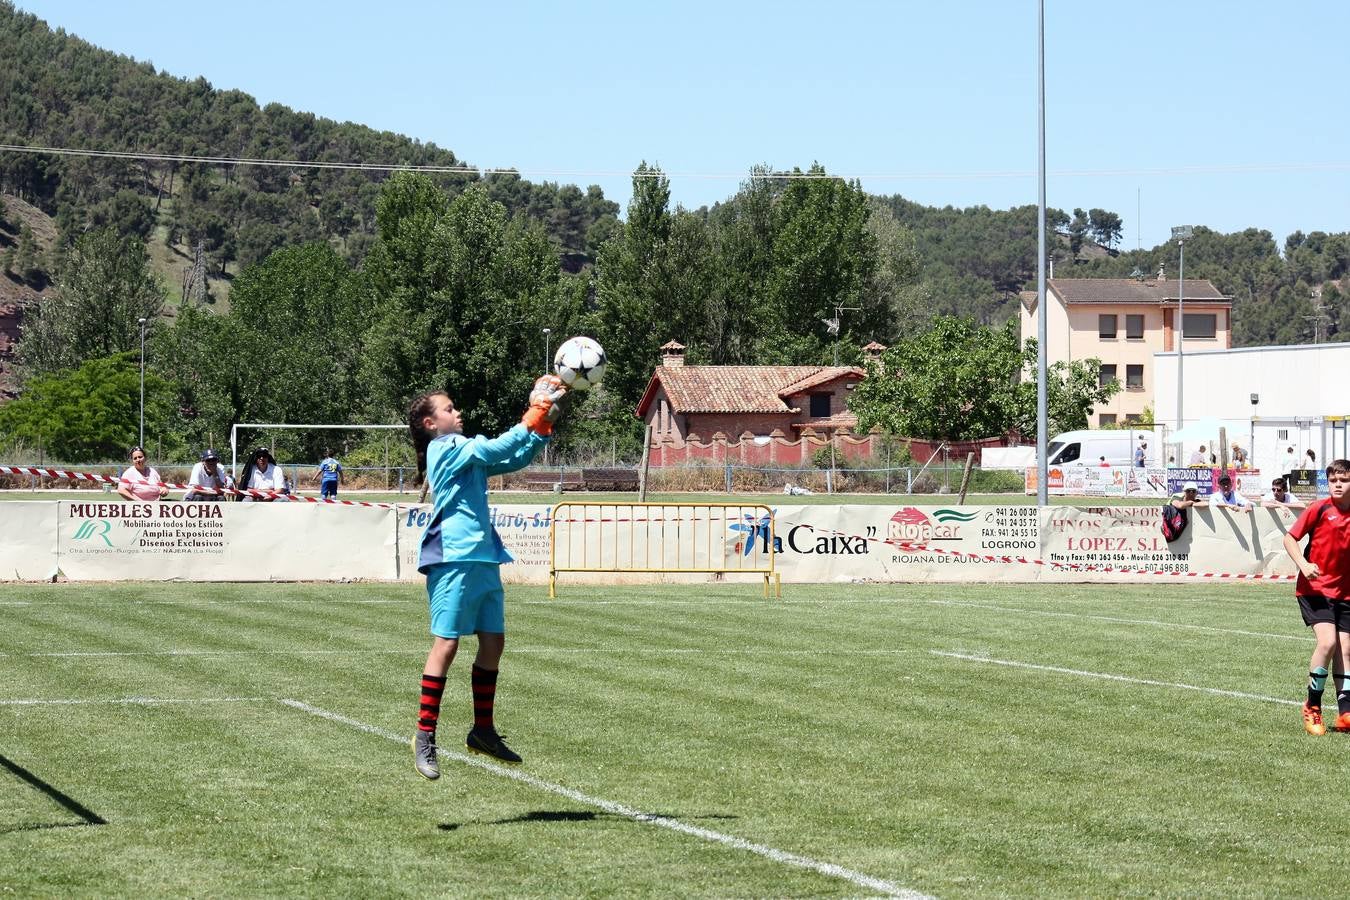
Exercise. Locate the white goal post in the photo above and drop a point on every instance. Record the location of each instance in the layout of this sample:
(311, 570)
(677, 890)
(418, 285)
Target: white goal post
(234, 435)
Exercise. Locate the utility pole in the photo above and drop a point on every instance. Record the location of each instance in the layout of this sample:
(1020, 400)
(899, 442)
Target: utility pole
(1319, 315)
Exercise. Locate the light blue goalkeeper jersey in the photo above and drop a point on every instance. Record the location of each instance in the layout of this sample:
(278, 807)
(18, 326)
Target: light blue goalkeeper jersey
(458, 467)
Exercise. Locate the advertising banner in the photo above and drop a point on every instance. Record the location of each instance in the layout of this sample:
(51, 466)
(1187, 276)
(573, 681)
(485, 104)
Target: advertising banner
(902, 543)
(1249, 483)
(1101, 481)
(28, 540)
(112, 540)
(1217, 542)
(523, 529)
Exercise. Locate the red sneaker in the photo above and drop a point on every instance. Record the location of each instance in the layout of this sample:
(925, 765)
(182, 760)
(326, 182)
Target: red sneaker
(1343, 722)
(1312, 720)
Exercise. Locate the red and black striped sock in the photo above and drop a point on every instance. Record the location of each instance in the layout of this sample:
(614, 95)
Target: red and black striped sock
(484, 683)
(432, 688)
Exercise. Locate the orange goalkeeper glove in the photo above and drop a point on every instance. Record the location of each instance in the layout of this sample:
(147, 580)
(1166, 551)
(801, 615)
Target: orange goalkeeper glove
(545, 405)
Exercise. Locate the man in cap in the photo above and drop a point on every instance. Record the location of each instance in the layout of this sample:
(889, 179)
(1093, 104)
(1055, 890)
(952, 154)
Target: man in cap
(208, 479)
(1228, 496)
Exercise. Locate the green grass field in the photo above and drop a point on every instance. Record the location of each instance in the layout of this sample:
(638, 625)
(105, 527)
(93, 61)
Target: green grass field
(1063, 741)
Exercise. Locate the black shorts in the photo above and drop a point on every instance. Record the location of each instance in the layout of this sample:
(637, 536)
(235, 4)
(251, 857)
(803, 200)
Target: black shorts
(1323, 609)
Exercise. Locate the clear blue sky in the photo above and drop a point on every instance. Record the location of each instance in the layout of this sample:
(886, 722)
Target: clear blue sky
(1227, 114)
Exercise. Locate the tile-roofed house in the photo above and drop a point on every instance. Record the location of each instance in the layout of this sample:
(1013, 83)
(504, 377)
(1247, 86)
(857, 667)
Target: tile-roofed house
(699, 402)
(1124, 322)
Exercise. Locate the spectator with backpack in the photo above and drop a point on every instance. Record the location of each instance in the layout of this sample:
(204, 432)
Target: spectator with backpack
(1323, 593)
(1175, 513)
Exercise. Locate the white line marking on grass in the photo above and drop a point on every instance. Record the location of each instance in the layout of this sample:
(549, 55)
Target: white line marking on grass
(108, 653)
(619, 809)
(134, 701)
(1109, 677)
(1155, 622)
(410, 651)
(710, 651)
(873, 598)
(187, 601)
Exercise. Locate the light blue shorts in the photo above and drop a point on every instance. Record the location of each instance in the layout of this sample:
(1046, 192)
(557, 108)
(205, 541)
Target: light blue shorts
(466, 598)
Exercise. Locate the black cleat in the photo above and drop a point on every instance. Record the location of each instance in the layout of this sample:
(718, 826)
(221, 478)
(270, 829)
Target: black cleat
(490, 743)
(424, 755)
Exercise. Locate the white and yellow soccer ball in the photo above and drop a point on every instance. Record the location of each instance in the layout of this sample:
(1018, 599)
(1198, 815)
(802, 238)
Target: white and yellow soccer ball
(580, 363)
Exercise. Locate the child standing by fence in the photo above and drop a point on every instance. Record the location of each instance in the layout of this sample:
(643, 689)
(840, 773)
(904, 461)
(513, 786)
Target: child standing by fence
(462, 554)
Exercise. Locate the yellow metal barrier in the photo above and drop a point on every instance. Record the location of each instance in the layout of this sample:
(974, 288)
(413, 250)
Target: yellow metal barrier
(664, 538)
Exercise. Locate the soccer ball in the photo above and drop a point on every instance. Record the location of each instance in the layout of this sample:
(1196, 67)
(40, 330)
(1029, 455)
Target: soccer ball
(580, 363)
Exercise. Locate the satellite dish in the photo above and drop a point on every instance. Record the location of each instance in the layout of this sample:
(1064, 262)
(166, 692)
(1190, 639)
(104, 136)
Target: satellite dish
(831, 325)
(1137, 274)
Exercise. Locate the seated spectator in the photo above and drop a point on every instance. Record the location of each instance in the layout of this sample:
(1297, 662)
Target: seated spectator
(261, 473)
(208, 480)
(1198, 457)
(1228, 496)
(140, 482)
(1281, 496)
(1239, 456)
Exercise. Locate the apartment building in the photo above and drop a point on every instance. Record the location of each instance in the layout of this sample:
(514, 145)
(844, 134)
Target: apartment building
(1124, 322)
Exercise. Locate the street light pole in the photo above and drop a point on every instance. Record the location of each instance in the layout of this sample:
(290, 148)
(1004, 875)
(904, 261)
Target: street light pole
(141, 322)
(1042, 324)
(1181, 233)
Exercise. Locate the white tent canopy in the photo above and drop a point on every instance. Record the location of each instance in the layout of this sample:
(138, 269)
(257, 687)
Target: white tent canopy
(1208, 430)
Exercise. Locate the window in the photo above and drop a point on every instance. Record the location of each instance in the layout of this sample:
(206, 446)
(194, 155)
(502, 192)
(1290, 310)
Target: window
(1106, 327)
(1069, 454)
(1106, 419)
(1200, 325)
(1134, 377)
(820, 406)
(1133, 418)
(1134, 328)
(1108, 375)
(1282, 434)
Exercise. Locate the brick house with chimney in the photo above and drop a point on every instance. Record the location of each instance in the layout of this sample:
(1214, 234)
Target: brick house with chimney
(790, 410)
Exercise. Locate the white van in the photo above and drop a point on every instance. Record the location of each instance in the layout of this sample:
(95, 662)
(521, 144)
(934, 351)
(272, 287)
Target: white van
(1086, 448)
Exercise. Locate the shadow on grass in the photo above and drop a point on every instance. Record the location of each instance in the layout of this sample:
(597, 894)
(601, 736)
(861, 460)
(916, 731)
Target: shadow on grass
(88, 816)
(550, 815)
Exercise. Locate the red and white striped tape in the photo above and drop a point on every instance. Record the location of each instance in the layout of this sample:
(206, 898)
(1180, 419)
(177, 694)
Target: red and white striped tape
(240, 492)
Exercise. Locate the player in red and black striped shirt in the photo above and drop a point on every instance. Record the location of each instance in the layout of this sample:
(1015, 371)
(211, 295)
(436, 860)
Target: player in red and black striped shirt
(1324, 593)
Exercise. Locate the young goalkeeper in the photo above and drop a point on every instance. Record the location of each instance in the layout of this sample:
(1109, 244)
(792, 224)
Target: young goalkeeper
(1323, 592)
(462, 553)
